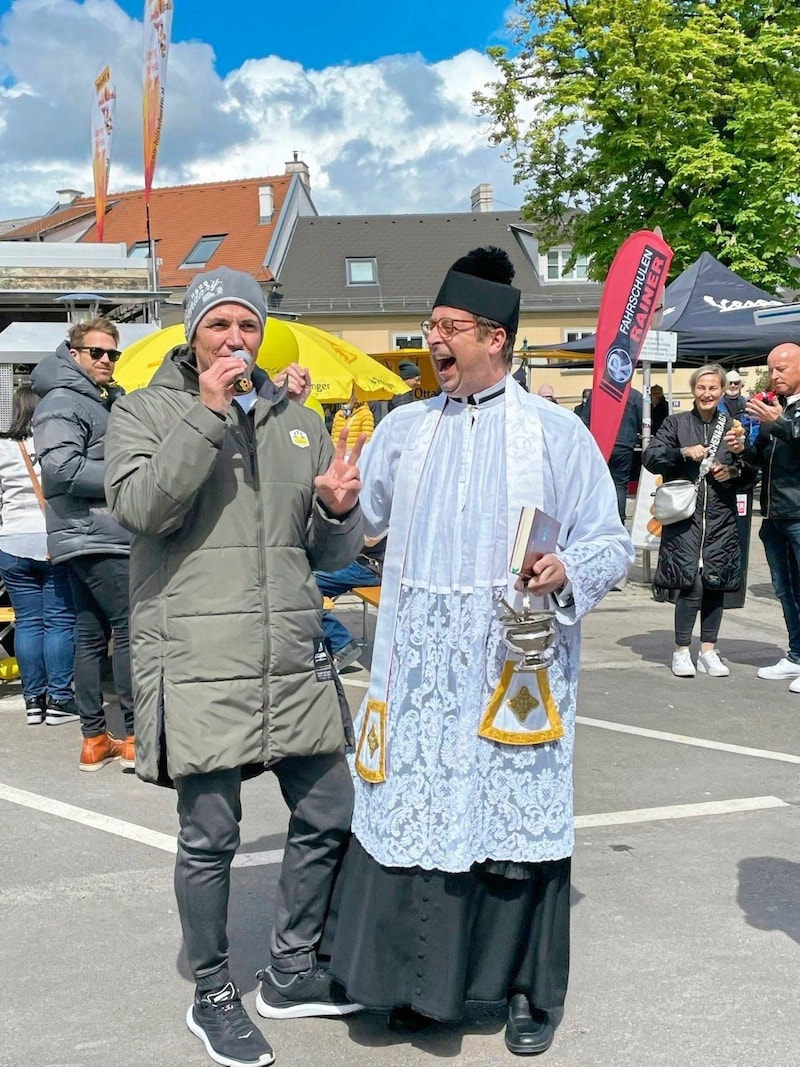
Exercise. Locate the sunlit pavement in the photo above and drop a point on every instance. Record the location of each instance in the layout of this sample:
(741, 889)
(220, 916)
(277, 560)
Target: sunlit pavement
(686, 887)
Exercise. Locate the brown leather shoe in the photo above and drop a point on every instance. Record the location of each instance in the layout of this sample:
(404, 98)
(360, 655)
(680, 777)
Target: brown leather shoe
(127, 757)
(98, 751)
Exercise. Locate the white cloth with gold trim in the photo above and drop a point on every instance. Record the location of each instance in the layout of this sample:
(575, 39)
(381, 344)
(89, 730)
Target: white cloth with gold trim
(448, 480)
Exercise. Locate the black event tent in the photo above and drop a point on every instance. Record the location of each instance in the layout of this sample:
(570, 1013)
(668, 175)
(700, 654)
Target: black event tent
(711, 310)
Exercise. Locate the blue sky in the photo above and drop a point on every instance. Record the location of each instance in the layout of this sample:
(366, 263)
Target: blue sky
(379, 105)
(324, 34)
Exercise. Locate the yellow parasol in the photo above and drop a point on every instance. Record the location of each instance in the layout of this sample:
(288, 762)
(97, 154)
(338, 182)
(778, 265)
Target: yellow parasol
(335, 365)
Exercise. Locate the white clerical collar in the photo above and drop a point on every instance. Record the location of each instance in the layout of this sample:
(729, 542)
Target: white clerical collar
(792, 399)
(482, 397)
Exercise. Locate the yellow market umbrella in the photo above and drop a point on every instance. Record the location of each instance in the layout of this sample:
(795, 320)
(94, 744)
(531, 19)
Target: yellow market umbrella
(335, 365)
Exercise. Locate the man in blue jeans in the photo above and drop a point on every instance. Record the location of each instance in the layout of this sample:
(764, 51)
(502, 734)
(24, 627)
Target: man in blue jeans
(777, 449)
(69, 428)
(363, 571)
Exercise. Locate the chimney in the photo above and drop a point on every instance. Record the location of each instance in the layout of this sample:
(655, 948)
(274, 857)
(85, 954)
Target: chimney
(68, 196)
(481, 198)
(297, 166)
(265, 204)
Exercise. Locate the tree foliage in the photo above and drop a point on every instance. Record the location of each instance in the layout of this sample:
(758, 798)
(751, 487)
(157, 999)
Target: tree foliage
(641, 113)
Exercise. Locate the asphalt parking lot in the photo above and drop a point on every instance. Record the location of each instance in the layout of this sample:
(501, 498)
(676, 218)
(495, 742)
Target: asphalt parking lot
(686, 878)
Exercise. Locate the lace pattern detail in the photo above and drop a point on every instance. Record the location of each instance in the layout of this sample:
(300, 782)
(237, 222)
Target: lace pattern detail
(452, 797)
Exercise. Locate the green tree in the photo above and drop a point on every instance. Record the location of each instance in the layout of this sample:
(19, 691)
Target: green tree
(621, 115)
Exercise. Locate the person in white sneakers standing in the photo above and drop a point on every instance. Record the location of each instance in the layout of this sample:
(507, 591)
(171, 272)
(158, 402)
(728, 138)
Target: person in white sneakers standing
(700, 556)
(777, 450)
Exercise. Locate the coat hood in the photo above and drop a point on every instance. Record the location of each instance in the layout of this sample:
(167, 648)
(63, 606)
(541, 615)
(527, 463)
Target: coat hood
(62, 371)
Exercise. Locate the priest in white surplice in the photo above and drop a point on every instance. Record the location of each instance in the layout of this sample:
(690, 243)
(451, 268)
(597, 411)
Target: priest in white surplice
(456, 885)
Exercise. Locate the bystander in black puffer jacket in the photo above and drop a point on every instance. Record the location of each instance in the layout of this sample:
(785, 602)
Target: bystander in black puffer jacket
(69, 430)
(711, 533)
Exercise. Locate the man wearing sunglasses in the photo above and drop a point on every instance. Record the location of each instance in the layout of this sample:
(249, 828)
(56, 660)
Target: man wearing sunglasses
(69, 429)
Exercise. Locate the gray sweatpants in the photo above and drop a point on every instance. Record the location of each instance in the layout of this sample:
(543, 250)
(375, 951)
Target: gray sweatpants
(319, 794)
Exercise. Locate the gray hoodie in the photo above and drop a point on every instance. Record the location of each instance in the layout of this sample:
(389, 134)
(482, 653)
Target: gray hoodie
(69, 428)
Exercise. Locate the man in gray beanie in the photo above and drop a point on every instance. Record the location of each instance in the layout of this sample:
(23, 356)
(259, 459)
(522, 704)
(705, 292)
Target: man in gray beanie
(412, 376)
(233, 494)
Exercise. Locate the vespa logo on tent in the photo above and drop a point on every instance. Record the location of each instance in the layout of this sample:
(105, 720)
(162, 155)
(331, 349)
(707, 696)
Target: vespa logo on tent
(739, 305)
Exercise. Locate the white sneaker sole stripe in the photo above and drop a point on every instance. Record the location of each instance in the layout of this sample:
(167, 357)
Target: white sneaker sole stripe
(309, 1010)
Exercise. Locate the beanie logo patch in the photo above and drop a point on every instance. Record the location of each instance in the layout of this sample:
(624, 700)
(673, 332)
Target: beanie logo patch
(299, 438)
(208, 289)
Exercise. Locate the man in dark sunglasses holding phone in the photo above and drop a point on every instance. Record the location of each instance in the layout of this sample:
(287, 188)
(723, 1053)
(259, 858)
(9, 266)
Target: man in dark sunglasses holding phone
(77, 390)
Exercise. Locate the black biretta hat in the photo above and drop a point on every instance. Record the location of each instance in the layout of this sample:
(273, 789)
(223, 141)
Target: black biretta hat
(480, 282)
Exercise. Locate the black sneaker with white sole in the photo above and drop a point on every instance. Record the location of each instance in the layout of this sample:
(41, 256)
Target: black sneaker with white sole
(59, 712)
(218, 1018)
(35, 710)
(301, 996)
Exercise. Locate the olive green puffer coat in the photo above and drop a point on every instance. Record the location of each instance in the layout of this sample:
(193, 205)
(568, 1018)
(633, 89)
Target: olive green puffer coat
(225, 612)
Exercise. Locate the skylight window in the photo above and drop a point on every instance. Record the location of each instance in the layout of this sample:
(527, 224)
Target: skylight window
(203, 251)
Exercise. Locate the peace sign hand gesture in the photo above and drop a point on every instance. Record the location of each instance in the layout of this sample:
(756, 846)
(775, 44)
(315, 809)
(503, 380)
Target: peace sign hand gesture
(339, 486)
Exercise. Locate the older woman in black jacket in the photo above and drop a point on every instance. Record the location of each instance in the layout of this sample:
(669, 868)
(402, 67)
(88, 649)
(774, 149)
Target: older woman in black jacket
(700, 556)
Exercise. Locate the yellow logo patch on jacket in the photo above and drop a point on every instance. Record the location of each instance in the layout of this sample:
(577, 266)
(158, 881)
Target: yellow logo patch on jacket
(299, 438)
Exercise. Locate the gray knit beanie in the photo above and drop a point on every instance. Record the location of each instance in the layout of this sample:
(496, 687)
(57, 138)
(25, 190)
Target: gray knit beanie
(221, 286)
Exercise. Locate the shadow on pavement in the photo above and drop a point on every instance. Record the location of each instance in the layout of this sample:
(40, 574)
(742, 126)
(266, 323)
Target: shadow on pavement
(769, 894)
(655, 646)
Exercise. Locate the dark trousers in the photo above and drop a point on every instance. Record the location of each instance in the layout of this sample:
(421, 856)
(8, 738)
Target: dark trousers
(319, 794)
(620, 465)
(781, 538)
(102, 608)
(709, 602)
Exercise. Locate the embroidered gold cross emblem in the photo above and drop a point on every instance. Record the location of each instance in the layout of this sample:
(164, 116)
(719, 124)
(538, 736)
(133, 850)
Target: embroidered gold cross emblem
(372, 740)
(523, 704)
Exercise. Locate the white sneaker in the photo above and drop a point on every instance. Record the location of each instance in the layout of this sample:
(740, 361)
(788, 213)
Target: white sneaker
(784, 668)
(795, 686)
(682, 666)
(710, 663)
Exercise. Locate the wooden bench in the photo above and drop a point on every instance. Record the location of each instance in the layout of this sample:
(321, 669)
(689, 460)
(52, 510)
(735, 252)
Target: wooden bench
(370, 596)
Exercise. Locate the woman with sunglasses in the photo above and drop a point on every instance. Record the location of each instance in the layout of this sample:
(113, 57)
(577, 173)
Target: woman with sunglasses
(77, 389)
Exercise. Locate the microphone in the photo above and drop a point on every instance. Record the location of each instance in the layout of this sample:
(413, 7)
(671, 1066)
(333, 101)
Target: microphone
(245, 383)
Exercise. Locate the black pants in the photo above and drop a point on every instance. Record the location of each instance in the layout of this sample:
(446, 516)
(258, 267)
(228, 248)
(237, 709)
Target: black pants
(318, 791)
(102, 608)
(709, 602)
(620, 465)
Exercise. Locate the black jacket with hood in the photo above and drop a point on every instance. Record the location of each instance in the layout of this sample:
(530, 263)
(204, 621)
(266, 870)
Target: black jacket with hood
(69, 429)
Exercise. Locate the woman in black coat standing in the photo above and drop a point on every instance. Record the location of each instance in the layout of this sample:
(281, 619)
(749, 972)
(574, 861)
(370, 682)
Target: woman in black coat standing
(699, 556)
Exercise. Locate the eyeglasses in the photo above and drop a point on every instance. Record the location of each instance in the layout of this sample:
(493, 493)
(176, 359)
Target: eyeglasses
(97, 353)
(446, 327)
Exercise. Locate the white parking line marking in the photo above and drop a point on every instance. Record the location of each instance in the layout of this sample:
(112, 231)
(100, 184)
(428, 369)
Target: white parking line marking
(258, 859)
(89, 818)
(354, 682)
(678, 811)
(683, 739)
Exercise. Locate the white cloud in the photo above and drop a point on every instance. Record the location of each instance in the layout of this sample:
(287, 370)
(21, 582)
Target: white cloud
(395, 135)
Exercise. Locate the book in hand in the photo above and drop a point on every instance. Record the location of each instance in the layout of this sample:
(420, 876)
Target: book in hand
(537, 535)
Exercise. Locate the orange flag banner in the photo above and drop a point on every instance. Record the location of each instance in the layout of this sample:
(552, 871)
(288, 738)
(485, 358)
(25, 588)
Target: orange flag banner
(103, 107)
(157, 30)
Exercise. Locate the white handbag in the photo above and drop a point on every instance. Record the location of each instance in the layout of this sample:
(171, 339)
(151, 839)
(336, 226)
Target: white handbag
(675, 501)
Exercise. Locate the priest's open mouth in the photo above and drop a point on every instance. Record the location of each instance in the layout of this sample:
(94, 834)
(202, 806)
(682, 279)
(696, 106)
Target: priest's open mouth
(444, 362)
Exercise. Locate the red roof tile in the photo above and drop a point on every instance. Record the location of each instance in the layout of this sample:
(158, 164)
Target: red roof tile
(179, 216)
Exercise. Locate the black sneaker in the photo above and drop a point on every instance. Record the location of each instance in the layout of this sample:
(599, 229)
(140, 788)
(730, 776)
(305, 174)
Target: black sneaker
(301, 996)
(218, 1018)
(57, 712)
(35, 710)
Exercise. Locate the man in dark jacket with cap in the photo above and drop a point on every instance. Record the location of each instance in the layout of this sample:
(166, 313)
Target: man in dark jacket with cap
(69, 428)
(412, 376)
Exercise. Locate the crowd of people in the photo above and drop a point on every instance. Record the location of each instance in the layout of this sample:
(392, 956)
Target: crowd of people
(215, 503)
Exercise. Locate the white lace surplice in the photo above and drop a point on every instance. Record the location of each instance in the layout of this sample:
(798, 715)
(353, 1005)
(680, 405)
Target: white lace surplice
(453, 798)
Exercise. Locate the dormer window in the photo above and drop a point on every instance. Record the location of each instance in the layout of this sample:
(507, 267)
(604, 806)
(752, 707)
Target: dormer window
(362, 271)
(556, 261)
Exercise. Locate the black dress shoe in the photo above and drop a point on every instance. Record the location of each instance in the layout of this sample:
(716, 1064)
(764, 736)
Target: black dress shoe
(407, 1021)
(528, 1030)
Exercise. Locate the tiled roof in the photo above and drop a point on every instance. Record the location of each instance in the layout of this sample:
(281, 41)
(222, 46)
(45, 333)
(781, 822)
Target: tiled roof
(78, 209)
(179, 216)
(413, 253)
